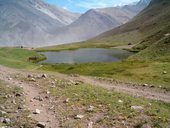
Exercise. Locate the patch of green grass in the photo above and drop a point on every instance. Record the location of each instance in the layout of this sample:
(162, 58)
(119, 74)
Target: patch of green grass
(17, 58)
(136, 71)
(155, 113)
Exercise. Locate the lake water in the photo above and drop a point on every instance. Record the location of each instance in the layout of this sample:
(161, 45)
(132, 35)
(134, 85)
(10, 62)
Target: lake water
(85, 55)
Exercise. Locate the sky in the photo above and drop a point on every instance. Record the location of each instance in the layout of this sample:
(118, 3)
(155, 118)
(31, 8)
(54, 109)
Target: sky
(81, 6)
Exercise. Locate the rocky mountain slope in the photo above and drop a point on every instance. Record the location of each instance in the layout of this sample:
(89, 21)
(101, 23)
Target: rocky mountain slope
(30, 22)
(96, 21)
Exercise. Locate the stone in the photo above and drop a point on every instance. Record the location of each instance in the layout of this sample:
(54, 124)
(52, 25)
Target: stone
(18, 94)
(37, 111)
(67, 100)
(7, 121)
(48, 92)
(120, 101)
(145, 85)
(41, 125)
(137, 108)
(9, 78)
(20, 107)
(32, 79)
(44, 75)
(38, 98)
(2, 112)
(167, 34)
(29, 75)
(78, 116)
(13, 101)
(52, 82)
(164, 72)
(90, 124)
(90, 109)
(1, 119)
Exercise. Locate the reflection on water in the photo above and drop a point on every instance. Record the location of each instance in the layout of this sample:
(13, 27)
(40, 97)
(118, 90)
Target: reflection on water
(85, 55)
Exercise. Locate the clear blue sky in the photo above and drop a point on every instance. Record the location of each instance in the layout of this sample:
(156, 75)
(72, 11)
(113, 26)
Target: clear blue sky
(84, 5)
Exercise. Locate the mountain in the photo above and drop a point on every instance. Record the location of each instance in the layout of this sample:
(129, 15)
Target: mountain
(31, 22)
(150, 21)
(97, 21)
(149, 31)
(35, 23)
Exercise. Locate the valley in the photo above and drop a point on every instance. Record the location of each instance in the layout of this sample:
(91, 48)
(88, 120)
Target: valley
(119, 78)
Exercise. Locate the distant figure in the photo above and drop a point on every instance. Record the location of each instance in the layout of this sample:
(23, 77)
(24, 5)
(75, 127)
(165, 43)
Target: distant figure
(22, 46)
(32, 58)
(130, 44)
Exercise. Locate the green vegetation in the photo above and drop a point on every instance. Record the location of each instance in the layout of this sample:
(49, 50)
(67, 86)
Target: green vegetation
(18, 58)
(127, 71)
(9, 103)
(115, 112)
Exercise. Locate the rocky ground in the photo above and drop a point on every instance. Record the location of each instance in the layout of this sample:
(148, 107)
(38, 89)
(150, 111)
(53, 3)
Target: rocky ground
(42, 109)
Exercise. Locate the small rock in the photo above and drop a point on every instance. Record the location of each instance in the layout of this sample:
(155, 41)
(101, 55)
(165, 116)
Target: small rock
(137, 108)
(167, 34)
(100, 105)
(29, 75)
(18, 95)
(20, 107)
(48, 92)
(1, 119)
(32, 79)
(52, 82)
(38, 98)
(78, 116)
(90, 109)
(77, 83)
(44, 75)
(13, 101)
(2, 112)
(90, 124)
(152, 86)
(67, 100)
(120, 101)
(145, 85)
(9, 78)
(41, 125)
(37, 111)
(164, 72)
(6, 121)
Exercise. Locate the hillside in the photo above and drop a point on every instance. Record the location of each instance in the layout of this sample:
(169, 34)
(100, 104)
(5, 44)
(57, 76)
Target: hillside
(151, 22)
(97, 21)
(30, 22)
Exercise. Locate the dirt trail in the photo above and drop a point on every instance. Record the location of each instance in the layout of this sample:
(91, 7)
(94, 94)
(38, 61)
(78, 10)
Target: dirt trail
(46, 116)
(138, 91)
